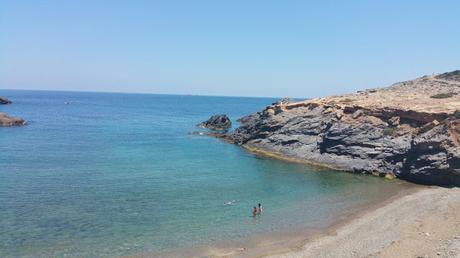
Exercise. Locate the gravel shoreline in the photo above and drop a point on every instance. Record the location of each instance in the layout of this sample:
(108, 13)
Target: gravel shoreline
(422, 224)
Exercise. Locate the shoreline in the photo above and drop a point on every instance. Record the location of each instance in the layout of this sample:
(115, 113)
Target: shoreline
(424, 223)
(289, 243)
(316, 165)
(284, 242)
(417, 213)
(421, 221)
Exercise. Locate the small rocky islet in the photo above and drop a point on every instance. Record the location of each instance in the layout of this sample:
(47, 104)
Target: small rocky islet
(7, 121)
(409, 130)
(217, 123)
(4, 101)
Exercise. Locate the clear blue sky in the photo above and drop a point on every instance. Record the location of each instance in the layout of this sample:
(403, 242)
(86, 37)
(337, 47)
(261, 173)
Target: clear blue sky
(224, 47)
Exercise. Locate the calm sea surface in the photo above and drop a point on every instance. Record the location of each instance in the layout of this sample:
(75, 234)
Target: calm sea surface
(102, 174)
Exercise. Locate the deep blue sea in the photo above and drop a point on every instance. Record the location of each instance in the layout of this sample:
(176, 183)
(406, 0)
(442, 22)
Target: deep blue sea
(110, 174)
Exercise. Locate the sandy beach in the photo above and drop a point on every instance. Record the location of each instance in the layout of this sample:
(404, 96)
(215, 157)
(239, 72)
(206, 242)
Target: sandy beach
(422, 224)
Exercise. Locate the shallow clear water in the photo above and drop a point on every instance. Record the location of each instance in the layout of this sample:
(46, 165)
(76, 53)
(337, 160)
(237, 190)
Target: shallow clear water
(119, 174)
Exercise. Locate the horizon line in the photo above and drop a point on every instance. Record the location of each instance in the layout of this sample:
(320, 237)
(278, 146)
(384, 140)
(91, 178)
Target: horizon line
(150, 93)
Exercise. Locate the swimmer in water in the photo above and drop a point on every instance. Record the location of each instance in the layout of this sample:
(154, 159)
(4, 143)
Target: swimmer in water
(260, 210)
(254, 211)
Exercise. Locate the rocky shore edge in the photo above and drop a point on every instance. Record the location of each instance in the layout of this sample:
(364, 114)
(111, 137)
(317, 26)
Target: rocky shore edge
(410, 130)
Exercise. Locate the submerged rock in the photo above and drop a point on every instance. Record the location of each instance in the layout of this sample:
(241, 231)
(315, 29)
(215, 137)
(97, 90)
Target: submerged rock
(5, 101)
(398, 131)
(217, 122)
(7, 121)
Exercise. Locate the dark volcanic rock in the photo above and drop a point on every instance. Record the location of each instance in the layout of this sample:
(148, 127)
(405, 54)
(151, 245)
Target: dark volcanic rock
(5, 101)
(217, 122)
(384, 133)
(7, 121)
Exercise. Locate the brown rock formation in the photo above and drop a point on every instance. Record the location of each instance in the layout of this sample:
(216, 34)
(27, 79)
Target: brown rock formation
(7, 121)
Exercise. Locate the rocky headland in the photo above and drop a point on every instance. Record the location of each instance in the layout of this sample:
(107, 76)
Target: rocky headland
(410, 130)
(7, 121)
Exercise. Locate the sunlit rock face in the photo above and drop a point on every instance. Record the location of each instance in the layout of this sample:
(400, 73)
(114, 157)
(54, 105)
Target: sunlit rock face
(410, 129)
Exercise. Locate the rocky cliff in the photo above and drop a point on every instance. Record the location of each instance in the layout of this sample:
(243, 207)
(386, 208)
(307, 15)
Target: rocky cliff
(410, 130)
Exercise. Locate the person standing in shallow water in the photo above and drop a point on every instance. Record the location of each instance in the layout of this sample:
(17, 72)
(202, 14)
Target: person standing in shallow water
(260, 209)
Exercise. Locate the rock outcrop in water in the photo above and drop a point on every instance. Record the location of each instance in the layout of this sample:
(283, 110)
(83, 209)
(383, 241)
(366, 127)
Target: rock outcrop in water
(217, 122)
(4, 101)
(7, 121)
(410, 130)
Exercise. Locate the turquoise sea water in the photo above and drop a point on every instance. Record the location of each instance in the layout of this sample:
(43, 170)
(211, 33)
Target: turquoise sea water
(104, 175)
